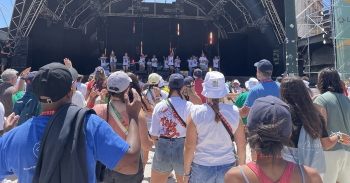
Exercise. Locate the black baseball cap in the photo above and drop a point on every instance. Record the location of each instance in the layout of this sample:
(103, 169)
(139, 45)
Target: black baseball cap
(53, 81)
(270, 110)
(188, 81)
(74, 73)
(264, 66)
(176, 81)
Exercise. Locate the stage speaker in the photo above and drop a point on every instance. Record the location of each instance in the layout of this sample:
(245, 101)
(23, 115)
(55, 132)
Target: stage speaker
(21, 46)
(142, 74)
(20, 62)
(164, 74)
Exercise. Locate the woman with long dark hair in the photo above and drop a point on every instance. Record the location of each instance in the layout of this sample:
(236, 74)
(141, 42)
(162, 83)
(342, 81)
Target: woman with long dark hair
(334, 107)
(95, 85)
(304, 114)
(209, 150)
(269, 127)
(114, 112)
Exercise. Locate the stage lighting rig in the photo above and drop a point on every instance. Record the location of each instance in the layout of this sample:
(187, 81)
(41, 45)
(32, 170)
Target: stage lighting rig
(327, 26)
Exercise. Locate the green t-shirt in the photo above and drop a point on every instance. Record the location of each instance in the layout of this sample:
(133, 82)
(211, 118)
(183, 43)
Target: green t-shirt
(19, 95)
(240, 103)
(338, 115)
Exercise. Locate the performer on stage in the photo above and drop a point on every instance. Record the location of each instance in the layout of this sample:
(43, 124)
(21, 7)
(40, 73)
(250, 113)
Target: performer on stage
(154, 64)
(142, 62)
(216, 61)
(166, 63)
(194, 62)
(189, 61)
(126, 62)
(177, 63)
(113, 61)
(171, 61)
(5, 55)
(203, 61)
(149, 66)
(104, 63)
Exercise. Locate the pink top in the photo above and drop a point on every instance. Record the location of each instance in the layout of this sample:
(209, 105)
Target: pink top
(101, 111)
(286, 176)
(199, 88)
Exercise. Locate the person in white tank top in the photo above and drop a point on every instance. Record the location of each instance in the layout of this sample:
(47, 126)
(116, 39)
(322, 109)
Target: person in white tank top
(177, 63)
(126, 61)
(208, 143)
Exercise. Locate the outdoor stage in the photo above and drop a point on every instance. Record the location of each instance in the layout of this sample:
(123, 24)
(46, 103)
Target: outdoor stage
(242, 32)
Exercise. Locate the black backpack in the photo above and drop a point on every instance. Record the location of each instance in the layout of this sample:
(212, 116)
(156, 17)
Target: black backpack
(26, 107)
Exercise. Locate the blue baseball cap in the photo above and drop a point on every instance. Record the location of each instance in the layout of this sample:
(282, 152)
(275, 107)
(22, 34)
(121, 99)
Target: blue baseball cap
(270, 110)
(264, 66)
(176, 81)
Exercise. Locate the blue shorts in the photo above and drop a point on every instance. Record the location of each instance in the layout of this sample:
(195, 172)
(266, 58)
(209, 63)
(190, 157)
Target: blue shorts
(113, 64)
(169, 156)
(203, 174)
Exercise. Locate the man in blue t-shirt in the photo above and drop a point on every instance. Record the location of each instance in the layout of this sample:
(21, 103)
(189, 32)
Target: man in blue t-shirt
(266, 87)
(20, 146)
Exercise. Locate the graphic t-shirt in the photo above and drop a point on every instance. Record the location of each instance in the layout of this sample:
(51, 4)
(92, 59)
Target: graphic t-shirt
(166, 64)
(171, 60)
(216, 63)
(194, 63)
(126, 60)
(202, 60)
(163, 121)
(190, 62)
(20, 147)
(154, 62)
(113, 59)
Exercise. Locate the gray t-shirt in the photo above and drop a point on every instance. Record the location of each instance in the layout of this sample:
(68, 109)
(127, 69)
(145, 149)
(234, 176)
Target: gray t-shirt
(338, 115)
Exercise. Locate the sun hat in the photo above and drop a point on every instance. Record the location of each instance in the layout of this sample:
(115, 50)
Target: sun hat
(251, 83)
(214, 85)
(118, 82)
(270, 110)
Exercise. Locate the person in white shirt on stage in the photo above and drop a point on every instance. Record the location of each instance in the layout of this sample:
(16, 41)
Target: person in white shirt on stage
(189, 61)
(104, 63)
(142, 62)
(194, 62)
(113, 61)
(126, 62)
(177, 63)
(149, 66)
(166, 63)
(154, 64)
(171, 62)
(203, 61)
(216, 61)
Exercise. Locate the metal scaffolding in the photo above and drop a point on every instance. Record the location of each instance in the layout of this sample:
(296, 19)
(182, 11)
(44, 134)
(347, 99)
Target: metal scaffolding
(310, 23)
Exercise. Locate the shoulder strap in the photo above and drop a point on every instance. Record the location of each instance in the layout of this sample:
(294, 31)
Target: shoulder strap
(243, 174)
(116, 119)
(302, 173)
(176, 115)
(225, 123)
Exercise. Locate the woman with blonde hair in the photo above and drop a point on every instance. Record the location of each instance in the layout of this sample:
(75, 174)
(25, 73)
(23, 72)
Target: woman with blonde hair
(211, 128)
(189, 93)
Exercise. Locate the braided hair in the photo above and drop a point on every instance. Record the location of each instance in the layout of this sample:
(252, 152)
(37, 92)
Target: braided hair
(117, 95)
(215, 102)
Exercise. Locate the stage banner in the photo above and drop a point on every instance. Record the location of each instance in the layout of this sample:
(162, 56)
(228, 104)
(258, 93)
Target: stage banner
(342, 36)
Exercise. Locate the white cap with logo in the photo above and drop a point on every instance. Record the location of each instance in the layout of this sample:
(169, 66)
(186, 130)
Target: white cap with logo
(251, 83)
(214, 85)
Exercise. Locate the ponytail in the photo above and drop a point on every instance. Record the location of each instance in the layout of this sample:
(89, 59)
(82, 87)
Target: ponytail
(215, 102)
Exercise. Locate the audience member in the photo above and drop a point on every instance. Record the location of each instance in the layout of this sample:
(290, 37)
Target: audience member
(210, 131)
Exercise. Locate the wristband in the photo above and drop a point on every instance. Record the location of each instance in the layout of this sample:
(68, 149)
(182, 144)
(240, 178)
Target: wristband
(187, 175)
(338, 134)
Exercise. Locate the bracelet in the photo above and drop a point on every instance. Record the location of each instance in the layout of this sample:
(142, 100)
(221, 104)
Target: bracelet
(338, 134)
(187, 175)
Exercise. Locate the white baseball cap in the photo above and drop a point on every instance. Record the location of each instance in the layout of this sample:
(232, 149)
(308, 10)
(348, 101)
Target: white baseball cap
(153, 79)
(251, 83)
(118, 82)
(236, 81)
(214, 85)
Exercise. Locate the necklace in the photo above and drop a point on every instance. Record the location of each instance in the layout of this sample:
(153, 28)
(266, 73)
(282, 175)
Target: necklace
(260, 156)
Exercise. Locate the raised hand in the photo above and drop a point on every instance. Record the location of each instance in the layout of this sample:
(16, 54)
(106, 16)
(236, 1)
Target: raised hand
(133, 108)
(67, 62)
(25, 73)
(11, 122)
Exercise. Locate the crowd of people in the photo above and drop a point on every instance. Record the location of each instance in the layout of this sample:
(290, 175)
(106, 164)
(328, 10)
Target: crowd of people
(55, 128)
(152, 65)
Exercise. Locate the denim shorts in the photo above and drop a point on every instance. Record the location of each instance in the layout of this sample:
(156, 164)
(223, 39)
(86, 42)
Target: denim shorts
(169, 156)
(113, 64)
(212, 174)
